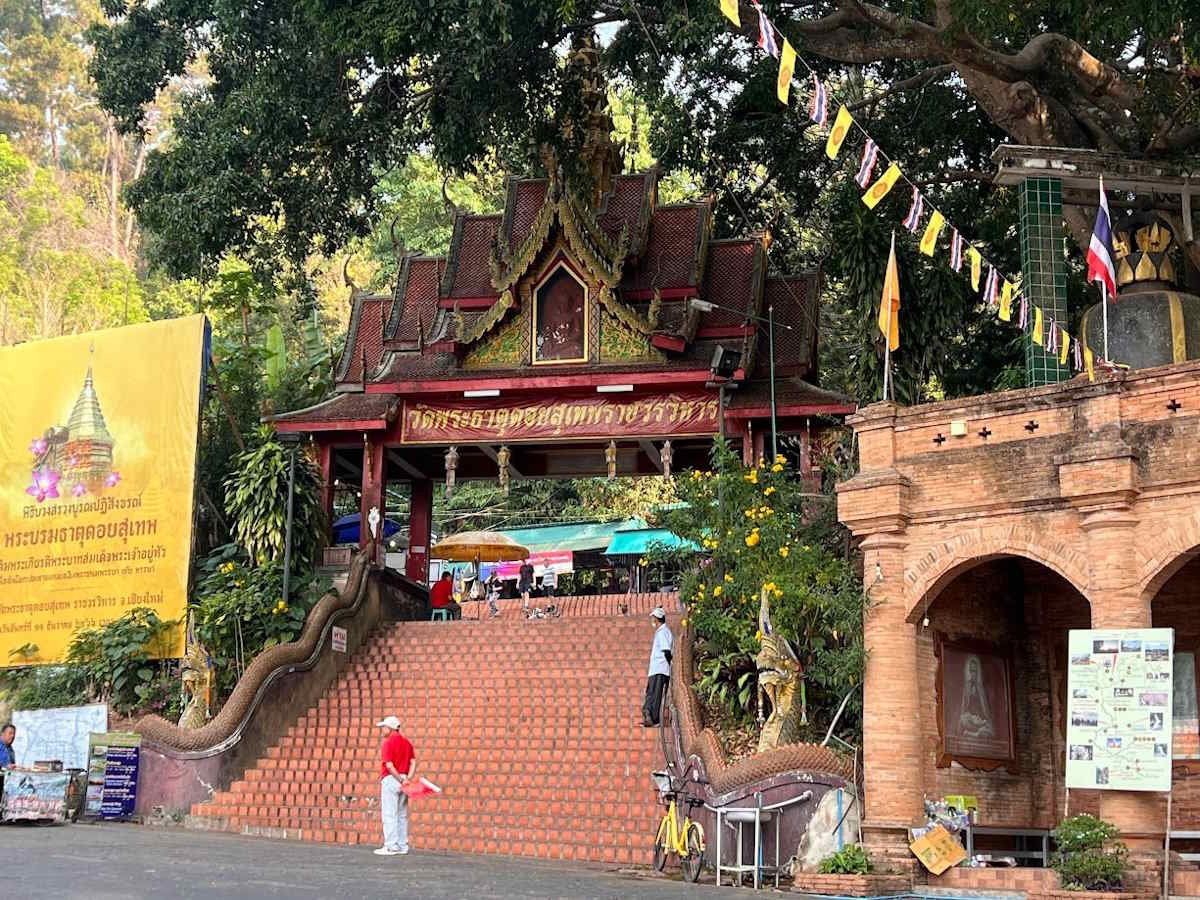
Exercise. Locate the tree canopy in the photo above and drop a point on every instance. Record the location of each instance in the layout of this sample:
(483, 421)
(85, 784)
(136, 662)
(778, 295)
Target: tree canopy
(303, 110)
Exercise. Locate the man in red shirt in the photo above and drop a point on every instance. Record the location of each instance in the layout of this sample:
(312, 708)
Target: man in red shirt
(397, 768)
(441, 596)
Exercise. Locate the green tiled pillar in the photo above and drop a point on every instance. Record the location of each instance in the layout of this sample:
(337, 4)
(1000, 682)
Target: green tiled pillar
(1043, 271)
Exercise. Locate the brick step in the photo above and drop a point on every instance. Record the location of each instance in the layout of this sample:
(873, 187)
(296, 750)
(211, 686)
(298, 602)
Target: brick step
(523, 724)
(555, 831)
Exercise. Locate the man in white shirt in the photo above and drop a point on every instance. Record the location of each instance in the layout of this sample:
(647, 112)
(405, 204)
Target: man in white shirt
(660, 667)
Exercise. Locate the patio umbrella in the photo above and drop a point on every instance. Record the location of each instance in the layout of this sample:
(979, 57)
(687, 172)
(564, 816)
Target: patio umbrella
(479, 547)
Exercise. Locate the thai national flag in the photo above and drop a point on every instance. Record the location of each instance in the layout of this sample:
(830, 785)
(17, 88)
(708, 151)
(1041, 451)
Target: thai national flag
(817, 107)
(1100, 253)
(913, 220)
(766, 33)
(991, 286)
(956, 251)
(867, 166)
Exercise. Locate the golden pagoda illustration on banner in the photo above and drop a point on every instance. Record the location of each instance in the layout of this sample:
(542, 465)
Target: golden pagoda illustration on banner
(78, 457)
(89, 447)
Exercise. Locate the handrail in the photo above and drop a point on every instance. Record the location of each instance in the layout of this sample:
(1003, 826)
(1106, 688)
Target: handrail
(225, 730)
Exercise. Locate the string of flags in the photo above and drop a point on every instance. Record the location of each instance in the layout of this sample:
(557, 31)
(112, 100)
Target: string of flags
(999, 292)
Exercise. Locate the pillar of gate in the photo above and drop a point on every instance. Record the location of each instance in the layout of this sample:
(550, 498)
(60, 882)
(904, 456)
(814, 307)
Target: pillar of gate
(1043, 270)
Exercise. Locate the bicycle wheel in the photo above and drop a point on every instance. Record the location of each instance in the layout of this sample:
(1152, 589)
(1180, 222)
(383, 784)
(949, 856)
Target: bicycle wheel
(694, 861)
(660, 846)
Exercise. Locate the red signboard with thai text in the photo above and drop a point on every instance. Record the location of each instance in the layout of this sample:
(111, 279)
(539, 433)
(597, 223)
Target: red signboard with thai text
(501, 419)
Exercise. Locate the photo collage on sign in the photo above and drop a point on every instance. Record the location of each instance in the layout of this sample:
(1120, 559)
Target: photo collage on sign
(1119, 709)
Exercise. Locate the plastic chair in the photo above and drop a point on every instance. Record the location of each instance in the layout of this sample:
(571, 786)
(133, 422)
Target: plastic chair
(440, 615)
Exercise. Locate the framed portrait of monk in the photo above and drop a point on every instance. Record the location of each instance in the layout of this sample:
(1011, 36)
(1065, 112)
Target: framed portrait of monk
(560, 310)
(976, 707)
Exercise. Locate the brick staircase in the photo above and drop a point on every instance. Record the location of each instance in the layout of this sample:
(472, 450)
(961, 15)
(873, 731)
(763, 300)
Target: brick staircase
(532, 728)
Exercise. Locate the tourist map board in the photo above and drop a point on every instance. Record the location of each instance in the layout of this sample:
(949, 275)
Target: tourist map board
(1119, 709)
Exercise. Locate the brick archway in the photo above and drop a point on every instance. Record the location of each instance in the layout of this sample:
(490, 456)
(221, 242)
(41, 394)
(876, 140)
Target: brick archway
(1179, 542)
(926, 578)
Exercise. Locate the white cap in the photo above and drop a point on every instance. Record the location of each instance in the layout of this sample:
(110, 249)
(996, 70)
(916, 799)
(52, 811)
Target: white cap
(659, 613)
(389, 722)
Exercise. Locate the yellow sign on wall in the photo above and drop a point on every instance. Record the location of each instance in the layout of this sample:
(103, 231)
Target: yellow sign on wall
(97, 472)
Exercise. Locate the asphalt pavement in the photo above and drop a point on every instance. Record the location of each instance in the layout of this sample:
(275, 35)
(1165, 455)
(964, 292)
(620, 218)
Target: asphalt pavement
(110, 860)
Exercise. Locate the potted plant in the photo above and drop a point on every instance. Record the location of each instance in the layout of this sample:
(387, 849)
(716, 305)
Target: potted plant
(850, 873)
(1089, 856)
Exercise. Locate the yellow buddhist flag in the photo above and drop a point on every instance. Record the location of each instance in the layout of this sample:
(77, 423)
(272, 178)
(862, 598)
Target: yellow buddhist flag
(880, 188)
(889, 304)
(730, 8)
(787, 68)
(1006, 295)
(1066, 343)
(1089, 362)
(929, 240)
(1037, 326)
(976, 267)
(837, 134)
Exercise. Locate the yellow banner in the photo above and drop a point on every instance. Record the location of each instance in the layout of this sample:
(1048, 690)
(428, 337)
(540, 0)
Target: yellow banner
(880, 188)
(1066, 344)
(837, 134)
(1037, 325)
(97, 472)
(730, 8)
(976, 267)
(787, 68)
(1006, 295)
(929, 240)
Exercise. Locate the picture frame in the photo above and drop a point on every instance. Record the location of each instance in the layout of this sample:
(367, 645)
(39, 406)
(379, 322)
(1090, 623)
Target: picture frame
(976, 705)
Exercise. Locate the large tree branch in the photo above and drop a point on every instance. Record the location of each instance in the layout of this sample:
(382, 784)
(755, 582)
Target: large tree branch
(908, 84)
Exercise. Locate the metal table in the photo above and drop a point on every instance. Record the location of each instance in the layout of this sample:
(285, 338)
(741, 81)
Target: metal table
(1040, 834)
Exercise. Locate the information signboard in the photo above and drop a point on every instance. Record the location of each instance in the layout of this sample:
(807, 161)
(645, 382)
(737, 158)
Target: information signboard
(1119, 686)
(113, 761)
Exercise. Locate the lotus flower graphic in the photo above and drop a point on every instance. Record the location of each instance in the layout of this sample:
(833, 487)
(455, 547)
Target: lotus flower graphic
(79, 490)
(45, 485)
(38, 446)
(113, 479)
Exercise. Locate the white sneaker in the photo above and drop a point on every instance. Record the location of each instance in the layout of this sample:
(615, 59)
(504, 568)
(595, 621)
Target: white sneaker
(386, 851)
(401, 852)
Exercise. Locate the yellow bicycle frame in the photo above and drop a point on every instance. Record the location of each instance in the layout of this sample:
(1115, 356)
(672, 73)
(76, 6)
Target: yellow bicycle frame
(672, 833)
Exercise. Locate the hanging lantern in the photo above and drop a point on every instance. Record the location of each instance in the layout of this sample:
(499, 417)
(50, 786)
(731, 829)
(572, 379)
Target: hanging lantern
(502, 459)
(665, 456)
(610, 457)
(451, 467)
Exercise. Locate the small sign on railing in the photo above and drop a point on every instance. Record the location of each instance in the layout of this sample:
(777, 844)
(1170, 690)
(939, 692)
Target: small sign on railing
(338, 639)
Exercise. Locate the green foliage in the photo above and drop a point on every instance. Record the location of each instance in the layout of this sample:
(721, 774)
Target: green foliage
(41, 687)
(239, 610)
(115, 659)
(1089, 857)
(257, 497)
(851, 860)
(757, 531)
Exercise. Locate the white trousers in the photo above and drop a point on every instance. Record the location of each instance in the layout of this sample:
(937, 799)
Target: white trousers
(393, 805)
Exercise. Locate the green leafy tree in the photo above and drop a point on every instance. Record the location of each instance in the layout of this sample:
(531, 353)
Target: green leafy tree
(352, 92)
(757, 531)
(257, 497)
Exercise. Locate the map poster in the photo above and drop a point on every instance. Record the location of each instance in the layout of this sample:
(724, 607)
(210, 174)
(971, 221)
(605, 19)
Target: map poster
(1119, 704)
(59, 734)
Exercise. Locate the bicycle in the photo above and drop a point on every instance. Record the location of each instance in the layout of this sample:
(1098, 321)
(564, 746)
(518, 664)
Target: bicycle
(683, 838)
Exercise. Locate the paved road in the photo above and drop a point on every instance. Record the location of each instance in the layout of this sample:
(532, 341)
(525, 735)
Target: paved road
(101, 862)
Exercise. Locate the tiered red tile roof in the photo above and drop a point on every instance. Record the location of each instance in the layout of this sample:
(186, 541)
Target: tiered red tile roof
(417, 334)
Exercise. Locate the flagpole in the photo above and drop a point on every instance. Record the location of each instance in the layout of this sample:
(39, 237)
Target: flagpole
(1104, 305)
(887, 336)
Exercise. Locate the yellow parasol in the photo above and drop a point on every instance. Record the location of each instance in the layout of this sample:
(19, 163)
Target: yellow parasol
(479, 546)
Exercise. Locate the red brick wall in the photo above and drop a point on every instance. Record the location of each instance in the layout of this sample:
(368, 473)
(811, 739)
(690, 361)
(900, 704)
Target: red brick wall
(1020, 605)
(1094, 482)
